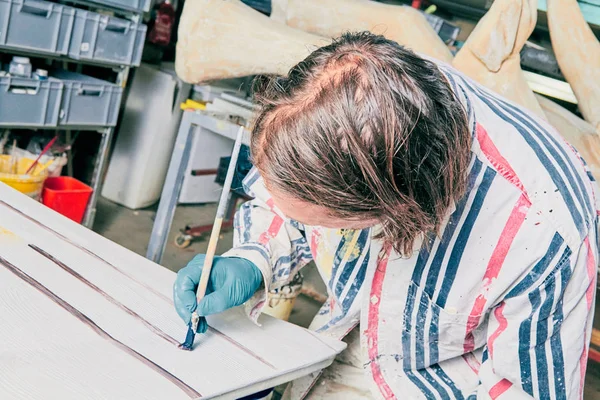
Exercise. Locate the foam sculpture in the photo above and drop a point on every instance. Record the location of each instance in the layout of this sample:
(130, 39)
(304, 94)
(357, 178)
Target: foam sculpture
(225, 39)
(576, 131)
(578, 54)
(491, 53)
(221, 39)
(331, 18)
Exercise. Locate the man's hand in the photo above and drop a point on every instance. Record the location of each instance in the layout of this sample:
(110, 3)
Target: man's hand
(232, 282)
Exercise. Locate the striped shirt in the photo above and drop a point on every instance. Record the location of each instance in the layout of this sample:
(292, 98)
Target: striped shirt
(498, 305)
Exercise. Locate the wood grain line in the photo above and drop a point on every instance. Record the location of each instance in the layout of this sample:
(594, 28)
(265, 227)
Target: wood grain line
(160, 295)
(191, 392)
(241, 347)
(89, 252)
(108, 297)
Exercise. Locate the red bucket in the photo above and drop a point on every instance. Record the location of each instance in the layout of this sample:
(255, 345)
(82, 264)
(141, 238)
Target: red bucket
(67, 196)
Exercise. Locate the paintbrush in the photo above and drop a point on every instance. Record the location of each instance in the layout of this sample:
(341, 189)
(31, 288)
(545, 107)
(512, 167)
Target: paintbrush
(44, 151)
(212, 243)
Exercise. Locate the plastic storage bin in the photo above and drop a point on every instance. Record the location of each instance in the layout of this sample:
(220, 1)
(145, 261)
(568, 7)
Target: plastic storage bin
(29, 102)
(138, 6)
(106, 39)
(67, 196)
(38, 26)
(88, 101)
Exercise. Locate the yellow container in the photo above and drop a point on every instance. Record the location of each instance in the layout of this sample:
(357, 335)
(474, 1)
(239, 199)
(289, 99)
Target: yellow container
(12, 172)
(281, 301)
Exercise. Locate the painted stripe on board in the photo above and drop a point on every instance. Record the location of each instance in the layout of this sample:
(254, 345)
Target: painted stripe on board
(88, 252)
(154, 329)
(188, 390)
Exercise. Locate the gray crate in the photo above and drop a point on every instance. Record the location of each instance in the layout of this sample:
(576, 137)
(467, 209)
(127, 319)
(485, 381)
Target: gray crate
(29, 102)
(38, 26)
(87, 101)
(106, 39)
(138, 6)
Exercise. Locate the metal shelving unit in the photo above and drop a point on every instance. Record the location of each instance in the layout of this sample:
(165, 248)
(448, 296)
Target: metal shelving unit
(91, 40)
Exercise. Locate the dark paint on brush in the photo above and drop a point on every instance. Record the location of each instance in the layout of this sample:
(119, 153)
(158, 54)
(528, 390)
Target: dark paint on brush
(188, 344)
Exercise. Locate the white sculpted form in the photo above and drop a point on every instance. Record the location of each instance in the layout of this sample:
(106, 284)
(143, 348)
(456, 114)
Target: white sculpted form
(491, 53)
(578, 54)
(226, 39)
(331, 18)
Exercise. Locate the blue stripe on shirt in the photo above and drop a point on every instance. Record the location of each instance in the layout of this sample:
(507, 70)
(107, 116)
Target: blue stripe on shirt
(558, 361)
(539, 268)
(463, 236)
(435, 268)
(513, 119)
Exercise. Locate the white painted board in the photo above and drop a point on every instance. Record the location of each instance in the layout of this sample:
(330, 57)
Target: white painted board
(83, 318)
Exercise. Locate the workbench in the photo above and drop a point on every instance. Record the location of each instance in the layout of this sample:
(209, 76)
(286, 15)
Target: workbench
(83, 317)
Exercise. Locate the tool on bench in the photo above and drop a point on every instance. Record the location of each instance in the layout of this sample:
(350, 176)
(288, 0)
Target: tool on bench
(212, 243)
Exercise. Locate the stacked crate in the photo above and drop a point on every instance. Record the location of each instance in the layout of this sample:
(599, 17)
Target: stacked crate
(68, 100)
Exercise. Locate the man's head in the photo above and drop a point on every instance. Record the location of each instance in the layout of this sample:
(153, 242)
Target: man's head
(363, 132)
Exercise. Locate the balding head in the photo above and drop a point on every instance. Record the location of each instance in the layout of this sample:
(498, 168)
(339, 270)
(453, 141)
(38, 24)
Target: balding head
(365, 129)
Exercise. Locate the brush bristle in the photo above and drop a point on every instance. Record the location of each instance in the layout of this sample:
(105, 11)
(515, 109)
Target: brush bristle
(189, 339)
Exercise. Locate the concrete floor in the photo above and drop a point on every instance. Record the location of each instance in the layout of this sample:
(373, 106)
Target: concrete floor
(131, 229)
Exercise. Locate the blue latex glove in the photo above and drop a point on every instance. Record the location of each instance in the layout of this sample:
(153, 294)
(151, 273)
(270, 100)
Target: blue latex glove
(232, 282)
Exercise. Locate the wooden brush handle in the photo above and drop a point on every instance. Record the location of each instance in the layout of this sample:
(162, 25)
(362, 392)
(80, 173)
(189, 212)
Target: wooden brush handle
(216, 230)
(208, 260)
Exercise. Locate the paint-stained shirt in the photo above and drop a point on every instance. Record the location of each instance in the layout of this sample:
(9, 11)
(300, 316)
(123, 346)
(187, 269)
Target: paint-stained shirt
(498, 305)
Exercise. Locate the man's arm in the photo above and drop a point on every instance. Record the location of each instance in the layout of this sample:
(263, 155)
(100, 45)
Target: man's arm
(276, 245)
(538, 336)
(535, 338)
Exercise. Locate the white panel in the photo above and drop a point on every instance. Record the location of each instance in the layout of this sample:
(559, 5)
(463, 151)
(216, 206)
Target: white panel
(85, 318)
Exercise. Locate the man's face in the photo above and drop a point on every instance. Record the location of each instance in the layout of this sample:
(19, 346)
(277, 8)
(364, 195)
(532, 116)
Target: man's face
(314, 215)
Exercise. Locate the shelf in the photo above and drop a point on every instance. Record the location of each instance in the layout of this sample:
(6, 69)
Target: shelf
(550, 87)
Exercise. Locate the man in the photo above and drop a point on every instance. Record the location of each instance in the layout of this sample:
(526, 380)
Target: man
(460, 229)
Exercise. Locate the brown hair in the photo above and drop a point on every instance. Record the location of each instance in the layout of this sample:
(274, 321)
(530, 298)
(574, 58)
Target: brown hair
(367, 129)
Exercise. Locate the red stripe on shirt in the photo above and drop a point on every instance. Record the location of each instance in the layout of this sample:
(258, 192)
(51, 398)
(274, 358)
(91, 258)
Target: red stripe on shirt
(515, 220)
(591, 270)
(502, 324)
(499, 388)
(373, 320)
(273, 230)
(493, 155)
(589, 297)
(472, 362)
